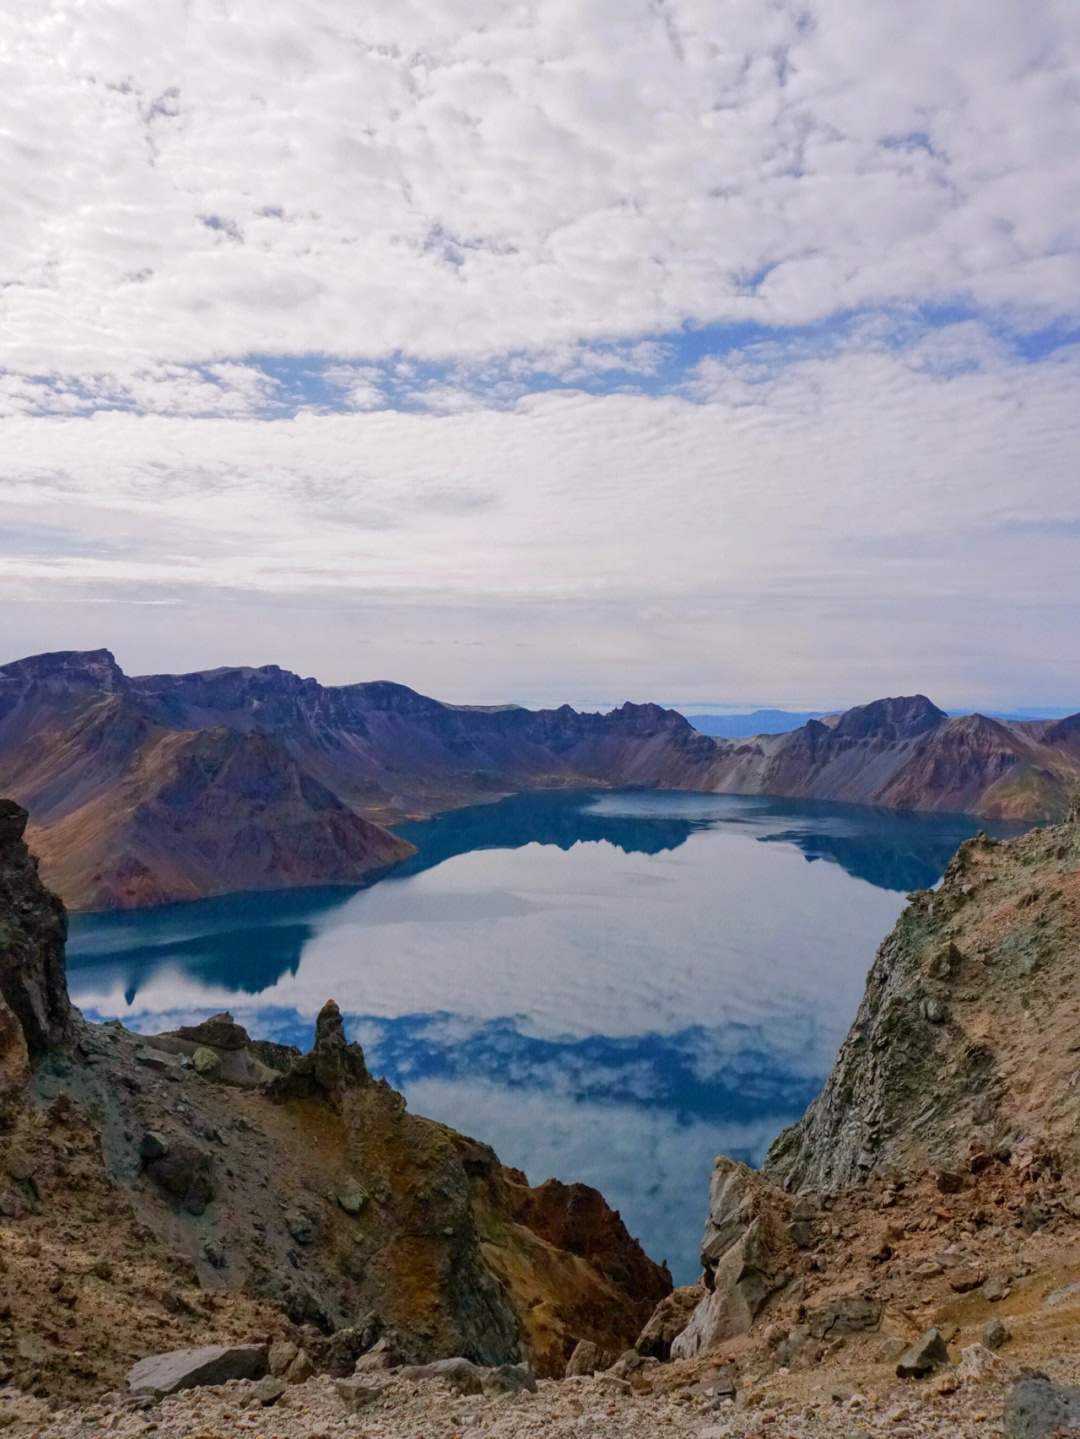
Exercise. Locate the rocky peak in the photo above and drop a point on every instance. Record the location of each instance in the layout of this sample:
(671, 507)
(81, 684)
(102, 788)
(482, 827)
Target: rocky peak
(329, 1028)
(900, 718)
(646, 719)
(35, 1014)
(66, 669)
(384, 696)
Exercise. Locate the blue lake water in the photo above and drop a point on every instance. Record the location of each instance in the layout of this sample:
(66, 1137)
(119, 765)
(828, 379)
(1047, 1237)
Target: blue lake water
(610, 987)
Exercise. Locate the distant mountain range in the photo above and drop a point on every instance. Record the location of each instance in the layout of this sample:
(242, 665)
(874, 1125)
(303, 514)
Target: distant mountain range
(163, 787)
(771, 721)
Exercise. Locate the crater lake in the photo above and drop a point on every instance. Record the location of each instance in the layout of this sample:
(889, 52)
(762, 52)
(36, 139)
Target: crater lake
(610, 987)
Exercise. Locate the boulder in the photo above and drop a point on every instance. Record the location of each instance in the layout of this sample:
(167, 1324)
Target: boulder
(300, 1369)
(584, 1360)
(162, 1374)
(994, 1334)
(220, 1031)
(847, 1314)
(282, 1353)
(923, 1357)
(344, 1347)
(978, 1365)
(745, 1254)
(668, 1320)
(1037, 1409)
(206, 1063)
(186, 1175)
(154, 1146)
(462, 1375)
(301, 1226)
(268, 1390)
(356, 1395)
(351, 1195)
(720, 1385)
(628, 1362)
(508, 1379)
(384, 1354)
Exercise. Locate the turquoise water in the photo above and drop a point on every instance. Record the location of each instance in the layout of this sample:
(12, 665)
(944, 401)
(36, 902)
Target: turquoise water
(607, 987)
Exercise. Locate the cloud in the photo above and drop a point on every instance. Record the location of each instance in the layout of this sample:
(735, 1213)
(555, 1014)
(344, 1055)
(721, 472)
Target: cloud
(733, 341)
(840, 524)
(444, 182)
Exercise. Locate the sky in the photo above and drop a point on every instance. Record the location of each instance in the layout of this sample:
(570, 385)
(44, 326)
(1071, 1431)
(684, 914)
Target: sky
(719, 352)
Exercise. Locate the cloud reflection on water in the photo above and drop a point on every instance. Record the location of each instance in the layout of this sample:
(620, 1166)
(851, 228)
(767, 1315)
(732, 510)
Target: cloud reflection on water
(610, 988)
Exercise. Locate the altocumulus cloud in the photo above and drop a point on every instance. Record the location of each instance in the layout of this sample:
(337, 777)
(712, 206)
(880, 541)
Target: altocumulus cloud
(740, 341)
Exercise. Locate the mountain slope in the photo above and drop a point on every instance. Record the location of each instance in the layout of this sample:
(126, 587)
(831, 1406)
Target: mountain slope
(128, 813)
(171, 786)
(968, 1029)
(907, 754)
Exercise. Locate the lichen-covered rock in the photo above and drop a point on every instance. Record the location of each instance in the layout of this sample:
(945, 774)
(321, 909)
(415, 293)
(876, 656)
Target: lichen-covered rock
(923, 1357)
(206, 1063)
(940, 1056)
(1037, 1409)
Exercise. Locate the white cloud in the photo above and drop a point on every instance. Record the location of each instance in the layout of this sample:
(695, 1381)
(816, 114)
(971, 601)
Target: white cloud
(444, 180)
(437, 207)
(828, 528)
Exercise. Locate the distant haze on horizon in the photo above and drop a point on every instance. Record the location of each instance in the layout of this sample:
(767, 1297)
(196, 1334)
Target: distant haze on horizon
(650, 349)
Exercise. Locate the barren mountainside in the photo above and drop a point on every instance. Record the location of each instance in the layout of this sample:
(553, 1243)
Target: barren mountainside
(968, 1030)
(142, 790)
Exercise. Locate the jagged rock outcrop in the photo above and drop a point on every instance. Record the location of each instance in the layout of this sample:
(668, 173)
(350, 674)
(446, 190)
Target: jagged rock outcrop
(967, 1030)
(668, 1320)
(337, 1205)
(566, 1258)
(330, 1067)
(35, 1014)
(747, 1254)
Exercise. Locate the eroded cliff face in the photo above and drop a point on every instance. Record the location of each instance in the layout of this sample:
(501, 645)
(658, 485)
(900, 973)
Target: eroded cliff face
(968, 1028)
(937, 1171)
(34, 1010)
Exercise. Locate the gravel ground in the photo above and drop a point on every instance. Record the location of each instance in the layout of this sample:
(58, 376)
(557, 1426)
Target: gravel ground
(599, 1408)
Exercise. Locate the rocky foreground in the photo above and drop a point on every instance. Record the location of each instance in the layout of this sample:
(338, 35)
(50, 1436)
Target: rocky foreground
(205, 1235)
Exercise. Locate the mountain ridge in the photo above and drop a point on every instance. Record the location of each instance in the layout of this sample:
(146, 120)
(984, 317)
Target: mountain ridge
(328, 770)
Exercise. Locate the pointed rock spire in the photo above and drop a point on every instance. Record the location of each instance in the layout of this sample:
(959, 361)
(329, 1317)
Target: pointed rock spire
(329, 1068)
